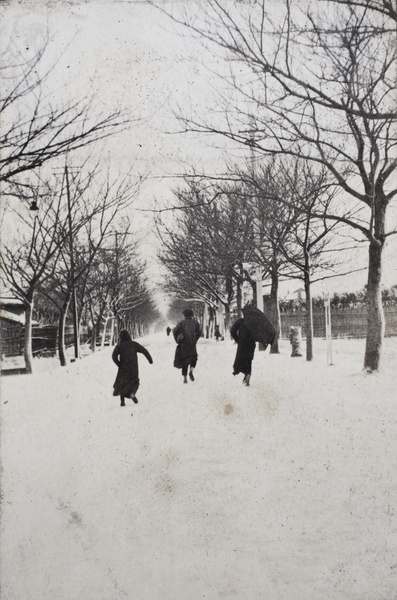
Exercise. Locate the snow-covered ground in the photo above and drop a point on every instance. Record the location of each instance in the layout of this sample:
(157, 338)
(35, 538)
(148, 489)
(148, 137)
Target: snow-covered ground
(285, 490)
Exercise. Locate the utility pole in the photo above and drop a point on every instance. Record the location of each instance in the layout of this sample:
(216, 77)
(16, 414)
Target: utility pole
(328, 333)
(258, 288)
(116, 282)
(72, 272)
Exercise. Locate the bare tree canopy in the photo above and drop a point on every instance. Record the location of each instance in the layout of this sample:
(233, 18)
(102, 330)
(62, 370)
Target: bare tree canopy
(34, 128)
(388, 8)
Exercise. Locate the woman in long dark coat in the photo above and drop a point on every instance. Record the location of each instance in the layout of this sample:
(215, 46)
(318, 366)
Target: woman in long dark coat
(186, 333)
(125, 357)
(245, 350)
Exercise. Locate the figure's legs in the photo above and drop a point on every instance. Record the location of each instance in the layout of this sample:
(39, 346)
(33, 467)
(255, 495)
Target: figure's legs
(192, 367)
(134, 390)
(247, 378)
(244, 357)
(122, 403)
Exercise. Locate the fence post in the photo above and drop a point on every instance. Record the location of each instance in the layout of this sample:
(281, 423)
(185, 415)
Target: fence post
(328, 333)
(259, 296)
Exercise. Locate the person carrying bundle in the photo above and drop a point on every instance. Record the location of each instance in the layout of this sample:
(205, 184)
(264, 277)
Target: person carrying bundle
(253, 327)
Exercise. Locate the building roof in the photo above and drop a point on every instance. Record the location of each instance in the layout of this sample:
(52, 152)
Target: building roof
(12, 316)
(11, 301)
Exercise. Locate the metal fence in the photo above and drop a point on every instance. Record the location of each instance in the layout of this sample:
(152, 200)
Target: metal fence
(348, 322)
(44, 339)
(11, 337)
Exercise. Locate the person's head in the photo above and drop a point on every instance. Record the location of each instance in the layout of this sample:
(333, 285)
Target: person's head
(187, 312)
(124, 336)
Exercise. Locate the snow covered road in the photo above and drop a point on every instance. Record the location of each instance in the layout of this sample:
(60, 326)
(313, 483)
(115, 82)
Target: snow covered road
(285, 490)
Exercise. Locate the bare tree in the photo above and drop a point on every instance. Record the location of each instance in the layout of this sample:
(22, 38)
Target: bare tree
(307, 247)
(209, 242)
(386, 8)
(91, 205)
(286, 240)
(99, 285)
(31, 259)
(320, 86)
(191, 272)
(33, 129)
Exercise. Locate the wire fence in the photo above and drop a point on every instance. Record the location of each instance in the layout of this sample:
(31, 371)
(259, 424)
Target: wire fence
(345, 323)
(44, 339)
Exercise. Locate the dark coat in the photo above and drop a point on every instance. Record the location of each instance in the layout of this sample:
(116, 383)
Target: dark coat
(125, 357)
(186, 334)
(245, 347)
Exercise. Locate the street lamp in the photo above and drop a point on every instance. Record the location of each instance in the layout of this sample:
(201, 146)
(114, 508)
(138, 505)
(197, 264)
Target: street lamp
(33, 206)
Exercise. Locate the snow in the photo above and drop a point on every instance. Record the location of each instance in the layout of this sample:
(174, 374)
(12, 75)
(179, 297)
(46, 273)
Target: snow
(286, 489)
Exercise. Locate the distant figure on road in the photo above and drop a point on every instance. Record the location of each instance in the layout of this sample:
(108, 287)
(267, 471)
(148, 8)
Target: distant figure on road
(217, 333)
(168, 330)
(186, 334)
(125, 357)
(253, 327)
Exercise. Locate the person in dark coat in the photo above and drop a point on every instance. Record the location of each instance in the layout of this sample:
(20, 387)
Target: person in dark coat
(125, 357)
(168, 330)
(186, 333)
(245, 350)
(217, 333)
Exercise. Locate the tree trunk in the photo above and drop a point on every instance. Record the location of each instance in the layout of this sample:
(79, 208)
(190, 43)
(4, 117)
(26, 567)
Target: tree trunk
(93, 337)
(211, 312)
(27, 345)
(275, 317)
(112, 331)
(118, 324)
(376, 320)
(94, 330)
(61, 334)
(227, 319)
(253, 287)
(98, 323)
(104, 333)
(219, 320)
(229, 290)
(239, 296)
(309, 313)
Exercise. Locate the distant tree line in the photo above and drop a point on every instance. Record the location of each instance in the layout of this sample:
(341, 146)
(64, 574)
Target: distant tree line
(342, 301)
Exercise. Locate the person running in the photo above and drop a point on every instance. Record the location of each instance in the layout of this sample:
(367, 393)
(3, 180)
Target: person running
(245, 350)
(253, 327)
(125, 357)
(186, 333)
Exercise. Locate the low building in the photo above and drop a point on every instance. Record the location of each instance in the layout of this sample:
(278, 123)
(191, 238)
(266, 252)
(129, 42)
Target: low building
(12, 321)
